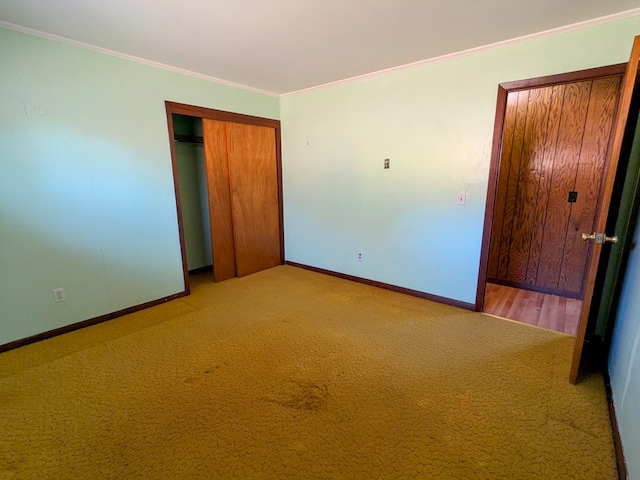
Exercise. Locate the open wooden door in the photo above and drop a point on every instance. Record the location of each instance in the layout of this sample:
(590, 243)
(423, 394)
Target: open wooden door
(628, 88)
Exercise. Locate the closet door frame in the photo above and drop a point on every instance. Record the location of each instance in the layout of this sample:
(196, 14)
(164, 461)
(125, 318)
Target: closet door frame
(220, 115)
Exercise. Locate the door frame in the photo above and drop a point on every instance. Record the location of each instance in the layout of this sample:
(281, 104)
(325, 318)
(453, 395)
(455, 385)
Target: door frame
(496, 152)
(223, 116)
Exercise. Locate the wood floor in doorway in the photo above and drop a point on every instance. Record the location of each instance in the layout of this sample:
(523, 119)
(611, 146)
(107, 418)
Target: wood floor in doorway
(539, 309)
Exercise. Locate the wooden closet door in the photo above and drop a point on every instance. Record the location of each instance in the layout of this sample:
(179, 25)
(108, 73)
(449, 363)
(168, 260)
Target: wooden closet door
(254, 197)
(215, 140)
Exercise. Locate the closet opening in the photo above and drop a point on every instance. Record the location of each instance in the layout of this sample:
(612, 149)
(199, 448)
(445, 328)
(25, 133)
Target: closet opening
(227, 173)
(194, 203)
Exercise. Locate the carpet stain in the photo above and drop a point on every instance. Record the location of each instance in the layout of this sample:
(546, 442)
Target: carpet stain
(301, 395)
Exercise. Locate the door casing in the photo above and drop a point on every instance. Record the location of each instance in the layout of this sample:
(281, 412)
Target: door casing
(503, 90)
(202, 112)
(494, 169)
(554, 141)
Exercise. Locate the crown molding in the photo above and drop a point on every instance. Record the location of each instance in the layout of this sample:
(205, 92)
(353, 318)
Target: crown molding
(546, 33)
(132, 58)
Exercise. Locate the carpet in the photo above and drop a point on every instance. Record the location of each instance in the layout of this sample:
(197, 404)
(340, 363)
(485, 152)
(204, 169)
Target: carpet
(292, 374)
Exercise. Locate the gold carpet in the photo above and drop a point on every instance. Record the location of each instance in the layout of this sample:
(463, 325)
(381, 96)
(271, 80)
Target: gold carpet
(292, 374)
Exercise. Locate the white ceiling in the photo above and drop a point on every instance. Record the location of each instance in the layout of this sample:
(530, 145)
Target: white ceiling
(281, 46)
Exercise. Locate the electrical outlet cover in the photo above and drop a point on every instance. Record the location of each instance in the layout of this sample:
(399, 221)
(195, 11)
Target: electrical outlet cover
(59, 295)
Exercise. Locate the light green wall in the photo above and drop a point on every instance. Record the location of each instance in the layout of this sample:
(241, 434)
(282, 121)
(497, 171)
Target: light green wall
(435, 123)
(86, 189)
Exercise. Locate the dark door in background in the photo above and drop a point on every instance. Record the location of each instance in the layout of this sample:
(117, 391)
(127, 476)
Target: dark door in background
(553, 155)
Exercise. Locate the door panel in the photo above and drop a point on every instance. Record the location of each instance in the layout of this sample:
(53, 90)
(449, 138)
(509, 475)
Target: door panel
(621, 132)
(512, 171)
(588, 180)
(528, 183)
(550, 143)
(254, 197)
(214, 135)
(566, 160)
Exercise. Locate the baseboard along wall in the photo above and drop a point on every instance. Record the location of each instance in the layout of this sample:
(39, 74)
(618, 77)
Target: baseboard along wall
(387, 286)
(86, 323)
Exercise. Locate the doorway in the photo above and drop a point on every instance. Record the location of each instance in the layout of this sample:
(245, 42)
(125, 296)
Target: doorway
(228, 186)
(194, 197)
(553, 136)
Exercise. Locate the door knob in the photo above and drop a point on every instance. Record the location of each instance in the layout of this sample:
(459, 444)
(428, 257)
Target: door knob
(599, 237)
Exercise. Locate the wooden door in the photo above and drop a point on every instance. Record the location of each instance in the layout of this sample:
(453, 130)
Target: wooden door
(254, 197)
(242, 178)
(553, 153)
(214, 136)
(623, 132)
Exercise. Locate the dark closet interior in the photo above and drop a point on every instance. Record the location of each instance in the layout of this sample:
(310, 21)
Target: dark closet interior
(194, 203)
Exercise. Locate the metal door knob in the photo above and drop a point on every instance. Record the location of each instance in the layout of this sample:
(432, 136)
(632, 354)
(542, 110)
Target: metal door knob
(599, 237)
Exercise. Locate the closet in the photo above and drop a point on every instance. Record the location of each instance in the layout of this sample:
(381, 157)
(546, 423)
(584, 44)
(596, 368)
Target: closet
(237, 195)
(243, 197)
(192, 182)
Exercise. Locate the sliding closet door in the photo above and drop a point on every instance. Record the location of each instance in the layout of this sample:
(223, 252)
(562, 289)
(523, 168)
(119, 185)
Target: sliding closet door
(243, 172)
(217, 167)
(254, 197)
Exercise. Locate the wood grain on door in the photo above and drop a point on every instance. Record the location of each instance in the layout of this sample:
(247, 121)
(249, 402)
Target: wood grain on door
(254, 197)
(214, 135)
(554, 142)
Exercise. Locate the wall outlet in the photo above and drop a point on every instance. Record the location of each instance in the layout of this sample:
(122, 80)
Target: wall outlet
(360, 256)
(59, 295)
